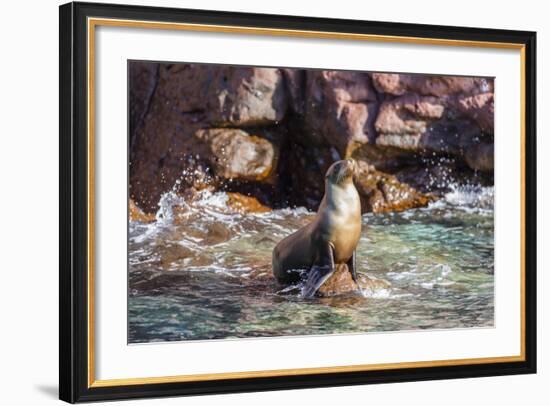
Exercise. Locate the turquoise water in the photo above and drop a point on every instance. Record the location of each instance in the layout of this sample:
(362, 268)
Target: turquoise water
(202, 272)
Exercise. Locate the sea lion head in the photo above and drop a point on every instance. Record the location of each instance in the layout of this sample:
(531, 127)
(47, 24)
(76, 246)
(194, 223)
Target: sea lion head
(341, 172)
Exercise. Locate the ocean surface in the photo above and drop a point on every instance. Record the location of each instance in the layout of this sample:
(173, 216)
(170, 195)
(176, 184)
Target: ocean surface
(202, 272)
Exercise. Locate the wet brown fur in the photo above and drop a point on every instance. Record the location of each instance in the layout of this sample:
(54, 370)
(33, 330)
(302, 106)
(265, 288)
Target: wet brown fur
(338, 222)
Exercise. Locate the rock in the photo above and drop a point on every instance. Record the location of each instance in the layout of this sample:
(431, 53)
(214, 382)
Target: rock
(271, 134)
(431, 176)
(385, 158)
(302, 174)
(341, 282)
(402, 121)
(480, 157)
(191, 97)
(295, 80)
(226, 95)
(436, 114)
(340, 108)
(425, 124)
(380, 192)
(136, 214)
(241, 96)
(143, 78)
(338, 283)
(392, 83)
(398, 84)
(245, 204)
(479, 108)
(164, 147)
(236, 155)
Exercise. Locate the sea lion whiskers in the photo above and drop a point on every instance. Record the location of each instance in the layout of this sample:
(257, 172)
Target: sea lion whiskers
(345, 169)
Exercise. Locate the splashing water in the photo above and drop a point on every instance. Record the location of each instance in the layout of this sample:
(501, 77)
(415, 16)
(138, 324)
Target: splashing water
(203, 272)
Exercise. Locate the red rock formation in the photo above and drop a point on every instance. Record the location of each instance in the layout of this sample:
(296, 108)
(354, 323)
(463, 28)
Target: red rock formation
(480, 108)
(340, 108)
(274, 132)
(398, 84)
(235, 154)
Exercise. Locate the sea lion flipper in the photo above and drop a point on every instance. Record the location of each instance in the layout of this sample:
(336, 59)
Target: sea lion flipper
(353, 267)
(318, 274)
(316, 277)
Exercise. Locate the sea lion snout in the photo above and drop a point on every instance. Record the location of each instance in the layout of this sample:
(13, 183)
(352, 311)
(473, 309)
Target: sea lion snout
(352, 166)
(342, 170)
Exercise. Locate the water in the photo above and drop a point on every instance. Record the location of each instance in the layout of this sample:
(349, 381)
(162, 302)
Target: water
(201, 272)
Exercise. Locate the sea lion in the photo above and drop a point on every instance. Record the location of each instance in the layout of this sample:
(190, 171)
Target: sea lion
(331, 238)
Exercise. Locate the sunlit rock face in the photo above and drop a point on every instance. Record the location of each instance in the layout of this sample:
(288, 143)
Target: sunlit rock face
(271, 134)
(236, 154)
(244, 97)
(137, 215)
(382, 192)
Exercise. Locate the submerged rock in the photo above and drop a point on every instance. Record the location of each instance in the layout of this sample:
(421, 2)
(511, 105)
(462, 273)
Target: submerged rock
(341, 282)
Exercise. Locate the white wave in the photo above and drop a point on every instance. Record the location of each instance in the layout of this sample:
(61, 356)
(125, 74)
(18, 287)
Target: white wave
(471, 196)
(216, 199)
(376, 293)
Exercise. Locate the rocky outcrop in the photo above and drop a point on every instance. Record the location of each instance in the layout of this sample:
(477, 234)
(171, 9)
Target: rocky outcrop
(381, 192)
(271, 134)
(225, 95)
(340, 109)
(398, 84)
(480, 108)
(187, 132)
(244, 96)
(237, 155)
(404, 121)
(456, 124)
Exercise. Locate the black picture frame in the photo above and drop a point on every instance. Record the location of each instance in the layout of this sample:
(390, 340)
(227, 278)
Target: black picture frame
(74, 199)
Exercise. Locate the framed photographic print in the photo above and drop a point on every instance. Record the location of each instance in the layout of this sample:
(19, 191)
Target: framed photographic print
(255, 202)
